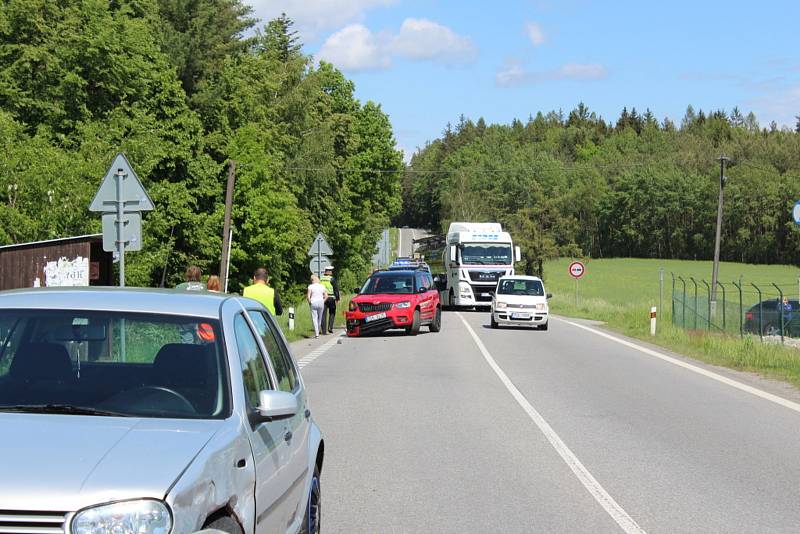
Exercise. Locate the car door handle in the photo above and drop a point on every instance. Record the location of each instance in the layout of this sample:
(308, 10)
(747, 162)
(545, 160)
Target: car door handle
(307, 413)
(288, 435)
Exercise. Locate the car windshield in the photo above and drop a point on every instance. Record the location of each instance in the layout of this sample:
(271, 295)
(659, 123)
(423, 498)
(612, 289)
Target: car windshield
(486, 254)
(390, 283)
(107, 363)
(532, 288)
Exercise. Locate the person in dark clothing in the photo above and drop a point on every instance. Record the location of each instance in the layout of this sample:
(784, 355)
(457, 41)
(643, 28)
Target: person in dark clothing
(332, 286)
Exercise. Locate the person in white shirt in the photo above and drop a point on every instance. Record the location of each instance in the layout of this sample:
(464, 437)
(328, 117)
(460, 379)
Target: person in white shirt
(316, 296)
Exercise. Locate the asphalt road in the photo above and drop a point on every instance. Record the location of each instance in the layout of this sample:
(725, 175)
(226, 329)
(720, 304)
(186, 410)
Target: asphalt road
(424, 435)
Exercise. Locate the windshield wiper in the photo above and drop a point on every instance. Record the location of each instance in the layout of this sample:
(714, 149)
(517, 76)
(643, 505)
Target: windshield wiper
(68, 409)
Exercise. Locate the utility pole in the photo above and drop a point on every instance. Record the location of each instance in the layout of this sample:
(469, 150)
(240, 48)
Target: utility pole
(715, 270)
(226, 231)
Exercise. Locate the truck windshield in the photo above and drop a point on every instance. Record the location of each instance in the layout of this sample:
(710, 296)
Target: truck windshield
(486, 254)
(109, 363)
(394, 283)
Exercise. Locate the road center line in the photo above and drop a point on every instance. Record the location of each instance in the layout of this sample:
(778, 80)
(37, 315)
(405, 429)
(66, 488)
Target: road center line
(626, 523)
(699, 370)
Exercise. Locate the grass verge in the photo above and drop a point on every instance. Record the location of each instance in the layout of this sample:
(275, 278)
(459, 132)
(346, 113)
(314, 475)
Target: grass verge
(621, 291)
(303, 329)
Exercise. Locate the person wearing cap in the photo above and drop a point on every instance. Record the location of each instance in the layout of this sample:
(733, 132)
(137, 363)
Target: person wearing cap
(262, 292)
(329, 313)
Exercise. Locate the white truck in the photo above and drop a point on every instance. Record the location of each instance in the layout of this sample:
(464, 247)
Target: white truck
(473, 257)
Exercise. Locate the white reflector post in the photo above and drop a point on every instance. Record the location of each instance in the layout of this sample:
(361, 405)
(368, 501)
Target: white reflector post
(653, 321)
(291, 318)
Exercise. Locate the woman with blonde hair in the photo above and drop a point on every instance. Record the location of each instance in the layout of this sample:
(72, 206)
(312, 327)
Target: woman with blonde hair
(316, 296)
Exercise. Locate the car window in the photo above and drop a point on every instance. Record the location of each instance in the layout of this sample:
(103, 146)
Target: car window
(421, 282)
(393, 283)
(512, 286)
(284, 370)
(144, 365)
(254, 371)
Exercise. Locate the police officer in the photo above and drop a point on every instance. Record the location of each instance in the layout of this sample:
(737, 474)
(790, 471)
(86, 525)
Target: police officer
(329, 313)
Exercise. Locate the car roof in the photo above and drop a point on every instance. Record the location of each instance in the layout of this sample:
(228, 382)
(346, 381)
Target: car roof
(137, 300)
(520, 277)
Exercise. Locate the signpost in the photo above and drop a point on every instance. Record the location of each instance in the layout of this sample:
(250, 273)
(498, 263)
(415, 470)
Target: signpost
(121, 199)
(320, 252)
(576, 271)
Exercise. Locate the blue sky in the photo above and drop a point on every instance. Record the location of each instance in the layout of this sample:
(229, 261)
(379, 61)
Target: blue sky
(427, 62)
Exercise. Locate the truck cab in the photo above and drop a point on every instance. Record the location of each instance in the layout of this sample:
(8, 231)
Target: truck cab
(474, 257)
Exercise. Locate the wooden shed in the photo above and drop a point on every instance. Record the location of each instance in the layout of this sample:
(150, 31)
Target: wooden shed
(71, 261)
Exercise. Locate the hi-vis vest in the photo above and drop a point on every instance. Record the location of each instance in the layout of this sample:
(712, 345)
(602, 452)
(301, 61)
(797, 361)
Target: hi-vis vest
(325, 280)
(262, 293)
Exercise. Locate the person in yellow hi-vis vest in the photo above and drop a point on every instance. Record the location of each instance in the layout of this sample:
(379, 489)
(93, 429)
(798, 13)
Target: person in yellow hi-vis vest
(329, 314)
(263, 293)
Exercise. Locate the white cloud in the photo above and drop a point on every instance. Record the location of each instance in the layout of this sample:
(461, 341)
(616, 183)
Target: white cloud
(425, 39)
(535, 33)
(781, 106)
(355, 47)
(313, 17)
(513, 73)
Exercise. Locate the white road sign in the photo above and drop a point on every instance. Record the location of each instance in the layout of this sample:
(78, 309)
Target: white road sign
(576, 269)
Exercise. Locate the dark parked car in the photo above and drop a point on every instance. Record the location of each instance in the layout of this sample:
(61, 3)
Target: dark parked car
(770, 312)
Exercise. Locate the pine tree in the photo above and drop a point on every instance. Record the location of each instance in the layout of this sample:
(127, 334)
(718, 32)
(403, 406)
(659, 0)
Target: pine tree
(688, 118)
(797, 125)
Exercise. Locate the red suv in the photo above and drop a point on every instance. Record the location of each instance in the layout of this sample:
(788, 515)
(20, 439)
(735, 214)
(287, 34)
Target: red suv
(403, 297)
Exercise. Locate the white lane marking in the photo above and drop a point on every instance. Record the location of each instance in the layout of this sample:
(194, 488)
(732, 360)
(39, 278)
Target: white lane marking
(617, 513)
(699, 370)
(316, 353)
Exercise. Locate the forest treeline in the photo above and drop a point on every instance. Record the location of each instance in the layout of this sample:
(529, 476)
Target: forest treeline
(183, 88)
(578, 185)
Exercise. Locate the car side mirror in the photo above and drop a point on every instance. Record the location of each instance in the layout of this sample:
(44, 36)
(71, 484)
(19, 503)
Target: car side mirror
(549, 295)
(274, 405)
(357, 290)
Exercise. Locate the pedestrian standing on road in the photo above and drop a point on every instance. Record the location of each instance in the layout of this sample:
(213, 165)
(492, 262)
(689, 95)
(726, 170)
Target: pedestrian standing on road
(192, 283)
(213, 284)
(263, 293)
(332, 286)
(316, 296)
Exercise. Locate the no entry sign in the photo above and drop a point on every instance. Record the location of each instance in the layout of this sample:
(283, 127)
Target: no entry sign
(576, 269)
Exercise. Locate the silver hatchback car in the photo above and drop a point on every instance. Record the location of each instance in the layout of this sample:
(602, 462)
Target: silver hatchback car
(151, 412)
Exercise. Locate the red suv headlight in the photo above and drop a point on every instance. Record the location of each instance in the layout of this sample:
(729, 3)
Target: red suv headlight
(353, 306)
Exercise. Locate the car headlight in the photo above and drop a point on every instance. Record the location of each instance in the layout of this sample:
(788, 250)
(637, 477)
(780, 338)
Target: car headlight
(353, 306)
(500, 305)
(144, 516)
(540, 306)
(402, 305)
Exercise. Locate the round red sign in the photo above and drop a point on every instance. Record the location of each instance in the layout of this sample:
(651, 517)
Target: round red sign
(576, 269)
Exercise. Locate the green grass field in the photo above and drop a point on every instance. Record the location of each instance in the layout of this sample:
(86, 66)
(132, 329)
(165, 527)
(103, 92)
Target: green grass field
(621, 291)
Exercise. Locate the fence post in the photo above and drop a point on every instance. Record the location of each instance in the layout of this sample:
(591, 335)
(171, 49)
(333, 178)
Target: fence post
(741, 308)
(780, 307)
(672, 296)
(722, 286)
(695, 301)
(708, 317)
(683, 302)
(760, 313)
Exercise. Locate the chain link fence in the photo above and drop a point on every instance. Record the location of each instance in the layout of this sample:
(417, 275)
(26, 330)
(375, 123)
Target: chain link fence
(767, 310)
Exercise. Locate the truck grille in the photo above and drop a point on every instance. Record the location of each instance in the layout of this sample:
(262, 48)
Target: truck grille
(374, 307)
(24, 522)
(482, 276)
